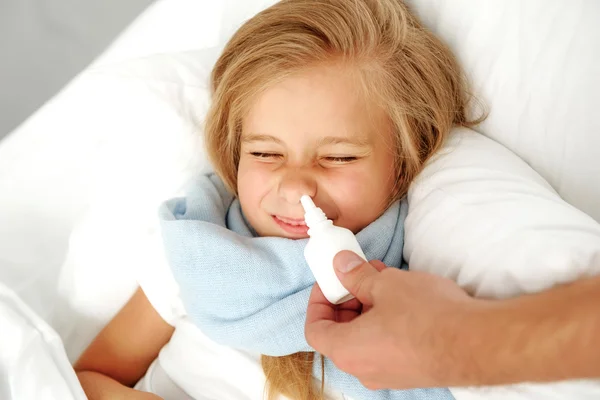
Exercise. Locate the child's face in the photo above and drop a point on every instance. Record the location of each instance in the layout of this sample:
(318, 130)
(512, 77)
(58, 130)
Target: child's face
(314, 134)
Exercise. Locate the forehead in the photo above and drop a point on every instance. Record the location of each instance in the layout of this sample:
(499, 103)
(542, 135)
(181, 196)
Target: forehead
(321, 101)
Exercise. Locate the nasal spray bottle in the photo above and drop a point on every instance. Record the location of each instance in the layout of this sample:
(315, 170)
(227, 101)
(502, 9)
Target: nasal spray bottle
(326, 240)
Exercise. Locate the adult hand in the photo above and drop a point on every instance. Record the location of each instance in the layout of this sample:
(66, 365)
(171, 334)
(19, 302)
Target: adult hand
(389, 336)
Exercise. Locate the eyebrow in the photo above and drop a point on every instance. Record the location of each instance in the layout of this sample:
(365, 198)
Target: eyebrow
(327, 140)
(355, 141)
(256, 137)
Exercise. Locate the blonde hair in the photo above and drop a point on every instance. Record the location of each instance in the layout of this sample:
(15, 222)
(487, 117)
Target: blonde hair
(402, 67)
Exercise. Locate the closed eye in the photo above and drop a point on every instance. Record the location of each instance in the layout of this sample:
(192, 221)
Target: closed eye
(341, 159)
(259, 154)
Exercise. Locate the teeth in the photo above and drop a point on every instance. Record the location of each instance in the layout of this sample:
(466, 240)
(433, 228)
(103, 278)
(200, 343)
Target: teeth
(290, 222)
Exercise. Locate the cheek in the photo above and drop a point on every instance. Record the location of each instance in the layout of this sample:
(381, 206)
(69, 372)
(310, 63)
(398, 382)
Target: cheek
(362, 192)
(252, 184)
(345, 187)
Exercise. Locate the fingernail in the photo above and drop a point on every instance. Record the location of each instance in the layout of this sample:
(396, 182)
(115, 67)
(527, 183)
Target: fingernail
(346, 261)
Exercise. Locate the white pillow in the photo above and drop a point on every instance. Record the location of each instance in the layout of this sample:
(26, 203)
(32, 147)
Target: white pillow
(481, 216)
(146, 117)
(536, 64)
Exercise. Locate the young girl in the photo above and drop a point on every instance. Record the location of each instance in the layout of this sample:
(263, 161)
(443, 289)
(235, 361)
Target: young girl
(341, 100)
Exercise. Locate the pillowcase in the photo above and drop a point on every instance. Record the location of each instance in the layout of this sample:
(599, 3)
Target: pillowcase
(481, 216)
(143, 119)
(535, 65)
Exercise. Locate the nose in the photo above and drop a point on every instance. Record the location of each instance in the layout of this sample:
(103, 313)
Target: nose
(294, 184)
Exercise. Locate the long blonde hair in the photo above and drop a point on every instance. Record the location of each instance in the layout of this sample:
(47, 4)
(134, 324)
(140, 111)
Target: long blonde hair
(401, 66)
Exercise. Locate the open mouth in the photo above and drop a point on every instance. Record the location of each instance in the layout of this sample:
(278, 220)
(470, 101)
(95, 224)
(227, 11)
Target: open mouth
(290, 225)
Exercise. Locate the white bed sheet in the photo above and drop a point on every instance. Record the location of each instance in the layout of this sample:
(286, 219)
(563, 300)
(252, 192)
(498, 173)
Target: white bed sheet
(38, 367)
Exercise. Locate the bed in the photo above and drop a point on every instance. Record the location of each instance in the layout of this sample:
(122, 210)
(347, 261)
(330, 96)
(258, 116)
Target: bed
(66, 170)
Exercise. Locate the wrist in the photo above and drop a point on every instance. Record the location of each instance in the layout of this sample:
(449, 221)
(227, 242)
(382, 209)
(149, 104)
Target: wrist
(505, 342)
(463, 352)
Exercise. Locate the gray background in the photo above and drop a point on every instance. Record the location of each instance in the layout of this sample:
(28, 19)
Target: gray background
(45, 43)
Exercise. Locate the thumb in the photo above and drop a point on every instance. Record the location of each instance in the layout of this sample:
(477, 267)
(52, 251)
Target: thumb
(356, 275)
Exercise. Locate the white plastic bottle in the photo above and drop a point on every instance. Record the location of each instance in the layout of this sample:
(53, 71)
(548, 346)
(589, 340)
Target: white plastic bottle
(326, 240)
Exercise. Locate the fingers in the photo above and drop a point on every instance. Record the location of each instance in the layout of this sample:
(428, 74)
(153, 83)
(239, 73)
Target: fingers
(326, 335)
(319, 308)
(329, 326)
(356, 275)
(320, 317)
(322, 328)
(342, 315)
(378, 265)
(322, 335)
(347, 311)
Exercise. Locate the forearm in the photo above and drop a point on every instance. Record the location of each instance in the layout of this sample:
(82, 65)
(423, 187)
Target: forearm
(122, 352)
(97, 387)
(550, 336)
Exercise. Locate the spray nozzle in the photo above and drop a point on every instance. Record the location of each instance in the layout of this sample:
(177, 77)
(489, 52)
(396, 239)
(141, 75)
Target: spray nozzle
(312, 213)
(307, 203)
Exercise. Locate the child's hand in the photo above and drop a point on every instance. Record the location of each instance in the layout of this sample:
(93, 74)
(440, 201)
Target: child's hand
(149, 396)
(98, 387)
(388, 336)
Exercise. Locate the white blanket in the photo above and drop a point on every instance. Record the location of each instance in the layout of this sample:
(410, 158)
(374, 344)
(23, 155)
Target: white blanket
(33, 362)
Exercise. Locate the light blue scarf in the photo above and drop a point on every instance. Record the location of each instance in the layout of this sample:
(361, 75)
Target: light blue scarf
(251, 292)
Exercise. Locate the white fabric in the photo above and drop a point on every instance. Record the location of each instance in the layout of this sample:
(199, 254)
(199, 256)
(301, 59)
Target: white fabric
(33, 363)
(157, 381)
(536, 64)
(218, 372)
(168, 26)
(159, 105)
(481, 216)
(126, 130)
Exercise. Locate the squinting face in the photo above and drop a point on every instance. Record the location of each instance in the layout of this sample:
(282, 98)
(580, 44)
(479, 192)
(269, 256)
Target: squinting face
(314, 134)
